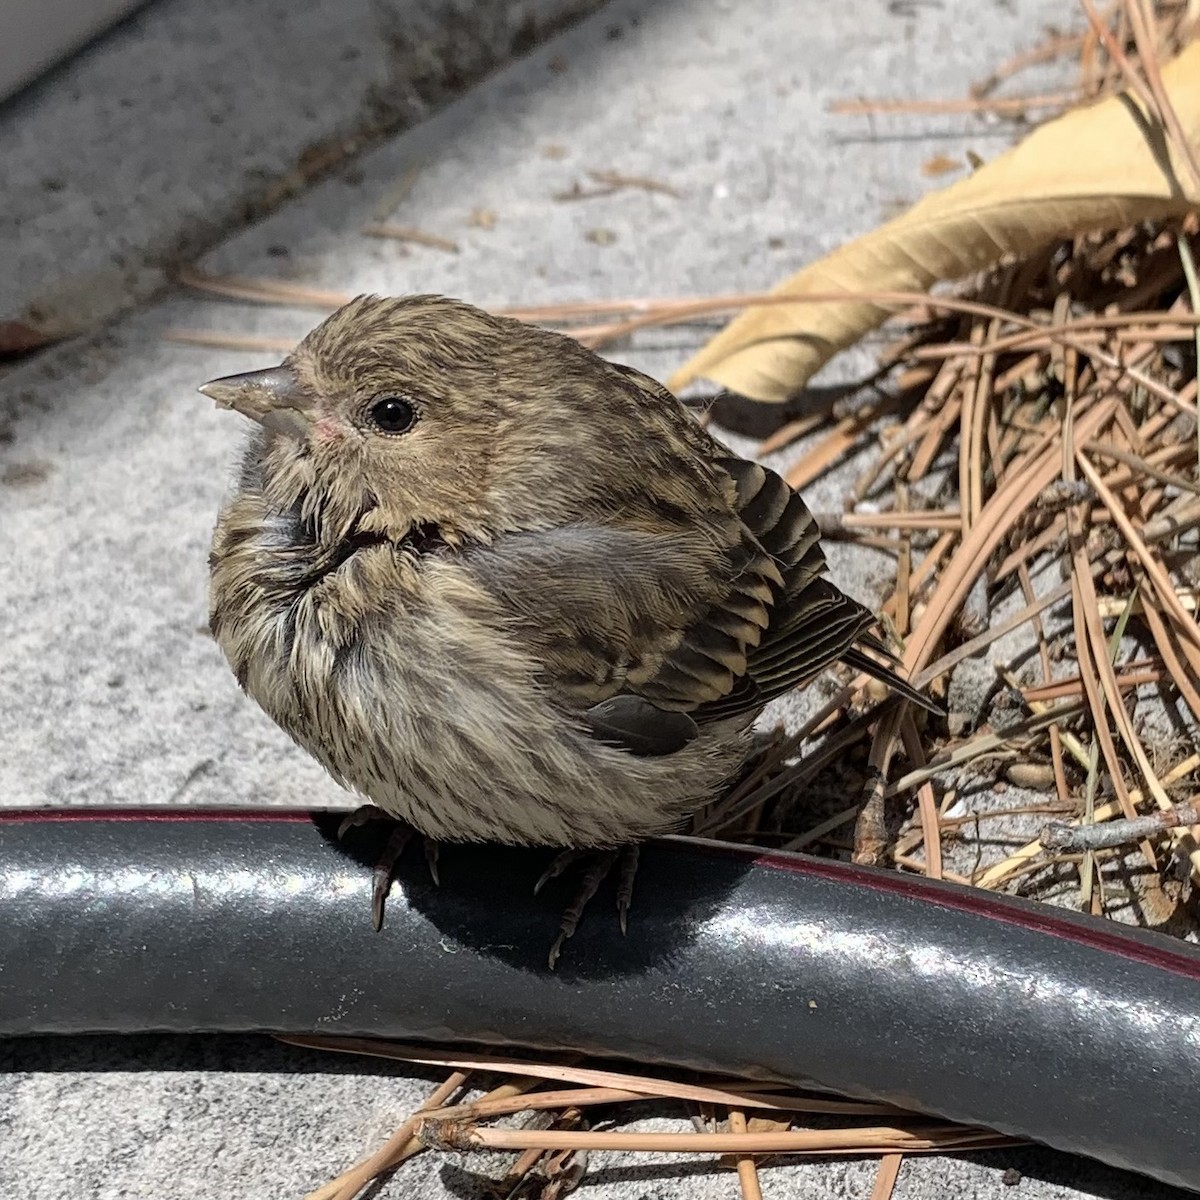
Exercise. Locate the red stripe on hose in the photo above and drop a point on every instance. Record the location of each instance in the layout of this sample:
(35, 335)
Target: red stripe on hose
(283, 815)
(1095, 934)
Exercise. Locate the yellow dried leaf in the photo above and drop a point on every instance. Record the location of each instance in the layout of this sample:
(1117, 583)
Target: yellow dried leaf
(1099, 167)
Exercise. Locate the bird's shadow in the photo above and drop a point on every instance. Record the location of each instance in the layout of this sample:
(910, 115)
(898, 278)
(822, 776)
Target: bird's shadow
(484, 901)
(253, 1053)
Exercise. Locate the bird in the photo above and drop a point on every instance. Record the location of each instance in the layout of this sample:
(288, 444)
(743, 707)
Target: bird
(507, 590)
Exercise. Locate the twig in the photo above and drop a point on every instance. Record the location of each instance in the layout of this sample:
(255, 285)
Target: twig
(979, 104)
(870, 830)
(1074, 685)
(393, 1151)
(1163, 109)
(1057, 835)
(406, 233)
(615, 179)
(746, 1170)
(886, 1176)
(1154, 569)
(999, 872)
(453, 1136)
(1047, 51)
(1193, 283)
(231, 341)
(832, 523)
(736, 1093)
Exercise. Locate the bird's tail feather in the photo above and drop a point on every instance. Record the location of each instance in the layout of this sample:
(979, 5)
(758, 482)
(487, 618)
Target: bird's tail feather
(863, 662)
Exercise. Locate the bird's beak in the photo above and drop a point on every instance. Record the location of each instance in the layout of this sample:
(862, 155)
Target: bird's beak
(273, 398)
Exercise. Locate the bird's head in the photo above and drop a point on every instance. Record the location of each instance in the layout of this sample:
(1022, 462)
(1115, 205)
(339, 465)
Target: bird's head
(395, 413)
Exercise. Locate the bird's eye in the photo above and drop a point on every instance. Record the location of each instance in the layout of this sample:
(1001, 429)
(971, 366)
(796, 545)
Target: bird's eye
(392, 414)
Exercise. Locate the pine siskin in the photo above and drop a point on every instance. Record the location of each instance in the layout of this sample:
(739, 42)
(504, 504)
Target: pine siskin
(505, 589)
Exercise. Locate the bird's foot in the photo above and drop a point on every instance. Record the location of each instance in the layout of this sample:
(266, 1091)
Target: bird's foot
(598, 865)
(385, 866)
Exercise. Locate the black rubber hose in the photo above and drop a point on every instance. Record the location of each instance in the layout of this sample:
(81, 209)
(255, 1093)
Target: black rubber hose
(1074, 1032)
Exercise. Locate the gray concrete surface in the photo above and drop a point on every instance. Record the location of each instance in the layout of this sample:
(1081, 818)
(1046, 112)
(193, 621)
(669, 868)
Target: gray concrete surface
(35, 34)
(111, 468)
(192, 118)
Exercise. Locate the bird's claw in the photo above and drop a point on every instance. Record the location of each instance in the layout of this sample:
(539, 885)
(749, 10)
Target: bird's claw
(628, 871)
(381, 876)
(594, 875)
(558, 866)
(431, 861)
(384, 869)
(364, 814)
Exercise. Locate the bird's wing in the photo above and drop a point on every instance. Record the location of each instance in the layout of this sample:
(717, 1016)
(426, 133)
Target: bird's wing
(642, 728)
(810, 623)
(664, 622)
(650, 628)
(813, 624)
